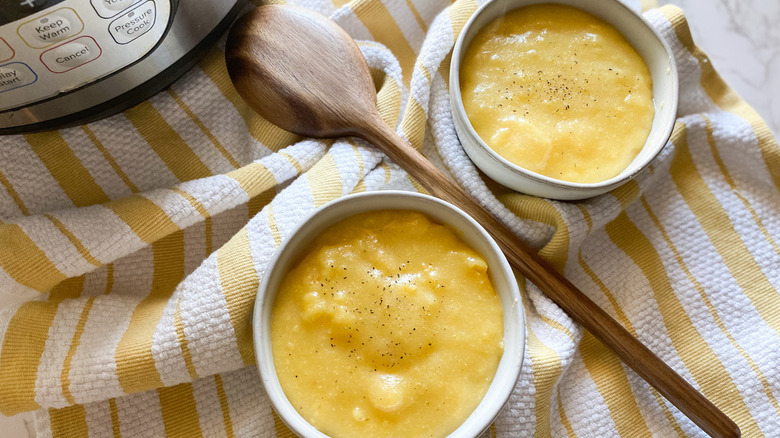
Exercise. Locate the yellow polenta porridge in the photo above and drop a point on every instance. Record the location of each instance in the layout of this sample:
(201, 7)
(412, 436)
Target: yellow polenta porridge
(559, 92)
(387, 327)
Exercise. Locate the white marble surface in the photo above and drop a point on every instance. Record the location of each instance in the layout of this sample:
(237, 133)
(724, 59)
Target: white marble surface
(742, 39)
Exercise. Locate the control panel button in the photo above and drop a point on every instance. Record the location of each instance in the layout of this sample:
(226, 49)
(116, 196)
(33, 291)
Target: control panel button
(29, 5)
(72, 54)
(13, 10)
(15, 75)
(50, 28)
(134, 23)
(109, 8)
(6, 52)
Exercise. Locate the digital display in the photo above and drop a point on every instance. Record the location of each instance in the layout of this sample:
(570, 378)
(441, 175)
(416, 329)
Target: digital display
(12, 10)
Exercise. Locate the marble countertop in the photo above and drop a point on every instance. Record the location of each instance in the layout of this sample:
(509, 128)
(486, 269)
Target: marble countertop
(742, 39)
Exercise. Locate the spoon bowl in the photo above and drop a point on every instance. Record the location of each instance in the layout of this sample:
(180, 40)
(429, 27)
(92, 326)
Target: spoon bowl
(288, 88)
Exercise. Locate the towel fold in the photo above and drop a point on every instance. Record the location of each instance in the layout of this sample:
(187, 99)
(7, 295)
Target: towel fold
(131, 249)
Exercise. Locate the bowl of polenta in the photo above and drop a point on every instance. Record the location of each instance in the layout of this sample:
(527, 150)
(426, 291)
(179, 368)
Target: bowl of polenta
(563, 99)
(388, 314)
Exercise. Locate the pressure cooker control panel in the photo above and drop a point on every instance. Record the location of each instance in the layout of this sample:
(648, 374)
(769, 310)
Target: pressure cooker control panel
(49, 47)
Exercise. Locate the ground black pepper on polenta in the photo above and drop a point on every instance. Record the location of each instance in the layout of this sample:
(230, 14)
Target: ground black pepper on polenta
(389, 326)
(559, 92)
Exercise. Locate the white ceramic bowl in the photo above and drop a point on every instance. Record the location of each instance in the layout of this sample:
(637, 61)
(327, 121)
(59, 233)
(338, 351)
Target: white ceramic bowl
(472, 233)
(650, 46)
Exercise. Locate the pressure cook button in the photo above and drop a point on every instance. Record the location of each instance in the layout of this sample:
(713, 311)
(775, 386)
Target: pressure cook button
(70, 55)
(50, 28)
(15, 75)
(134, 23)
(6, 52)
(109, 8)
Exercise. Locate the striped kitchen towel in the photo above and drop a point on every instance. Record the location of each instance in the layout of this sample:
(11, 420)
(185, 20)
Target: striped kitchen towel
(131, 249)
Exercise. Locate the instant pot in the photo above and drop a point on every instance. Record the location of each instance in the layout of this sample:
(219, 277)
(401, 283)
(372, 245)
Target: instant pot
(64, 62)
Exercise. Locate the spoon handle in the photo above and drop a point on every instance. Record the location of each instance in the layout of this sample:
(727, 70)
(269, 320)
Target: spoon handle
(632, 352)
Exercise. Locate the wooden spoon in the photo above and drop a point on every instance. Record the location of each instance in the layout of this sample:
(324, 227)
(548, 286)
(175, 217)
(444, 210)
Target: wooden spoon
(303, 73)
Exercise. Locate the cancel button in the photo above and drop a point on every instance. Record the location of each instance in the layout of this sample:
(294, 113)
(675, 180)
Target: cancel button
(70, 55)
(134, 23)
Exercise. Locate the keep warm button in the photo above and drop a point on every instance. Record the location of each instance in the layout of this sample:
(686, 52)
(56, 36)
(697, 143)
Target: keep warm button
(53, 27)
(134, 23)
(72, 54)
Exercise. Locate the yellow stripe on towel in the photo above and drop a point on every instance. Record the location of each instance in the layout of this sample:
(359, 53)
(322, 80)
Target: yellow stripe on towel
(459, 13)
(69, 422)
(564, 419)
(115, 427)
(325, 181)
(180, 411)
(14, 195)
(25, 262)
(254, 178)
(83, 251)
(166, 143)
(282, 431)
(145, 218)
(199, 123)
(239, 281)
(388, 101)
(383, 27)
(546, 366)
(183, 343)
(135, 365)
(111, 161)
(23, 347)
(74, 344)
(611, 380)
(66, 168)
(224, 406)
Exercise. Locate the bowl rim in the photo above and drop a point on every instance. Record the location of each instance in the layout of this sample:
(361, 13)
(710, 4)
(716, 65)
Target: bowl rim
(508, 371)
(456, 101)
